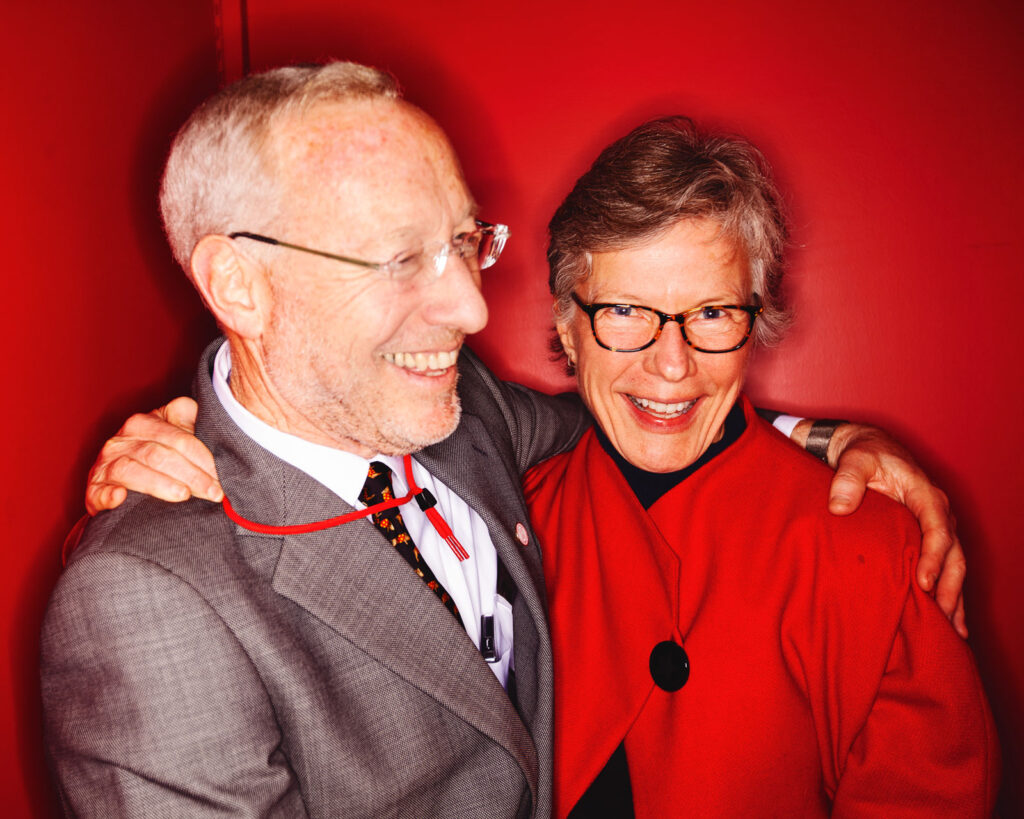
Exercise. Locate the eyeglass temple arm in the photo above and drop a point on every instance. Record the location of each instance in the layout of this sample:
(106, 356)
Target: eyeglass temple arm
(256, 237)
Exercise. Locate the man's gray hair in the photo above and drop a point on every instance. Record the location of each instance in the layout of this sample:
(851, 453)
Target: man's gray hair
(219, 176)
(663, 172)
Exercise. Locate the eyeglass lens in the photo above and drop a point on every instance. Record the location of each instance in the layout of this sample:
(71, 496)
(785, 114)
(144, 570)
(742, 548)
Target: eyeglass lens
(479, 249)
(715, 329)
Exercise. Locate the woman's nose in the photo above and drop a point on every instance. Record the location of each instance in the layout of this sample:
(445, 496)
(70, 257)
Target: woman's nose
(670, 357)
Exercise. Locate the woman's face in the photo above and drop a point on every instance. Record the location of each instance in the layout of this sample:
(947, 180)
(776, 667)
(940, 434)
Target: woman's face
(662, 407)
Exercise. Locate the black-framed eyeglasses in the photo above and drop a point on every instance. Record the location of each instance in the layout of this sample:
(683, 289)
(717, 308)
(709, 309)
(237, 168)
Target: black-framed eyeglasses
(479, 248)
(629, 328)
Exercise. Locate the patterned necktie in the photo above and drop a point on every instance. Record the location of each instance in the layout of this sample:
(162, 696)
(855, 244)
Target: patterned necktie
(377, 489)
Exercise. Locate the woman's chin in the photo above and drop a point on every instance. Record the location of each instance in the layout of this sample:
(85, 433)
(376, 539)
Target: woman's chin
(658, 444)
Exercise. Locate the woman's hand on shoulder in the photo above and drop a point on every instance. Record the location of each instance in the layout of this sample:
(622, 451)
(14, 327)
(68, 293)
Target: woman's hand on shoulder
(867, 457)
(157, 454)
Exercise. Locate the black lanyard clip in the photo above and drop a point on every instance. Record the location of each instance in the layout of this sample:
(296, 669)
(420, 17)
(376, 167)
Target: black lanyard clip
(487, 646)
(425, 500)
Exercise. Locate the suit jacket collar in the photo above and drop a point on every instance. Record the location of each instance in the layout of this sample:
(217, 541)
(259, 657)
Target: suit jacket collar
(354, 582)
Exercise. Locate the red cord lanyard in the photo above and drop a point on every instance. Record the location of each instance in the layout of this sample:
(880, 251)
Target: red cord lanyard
(424, 500)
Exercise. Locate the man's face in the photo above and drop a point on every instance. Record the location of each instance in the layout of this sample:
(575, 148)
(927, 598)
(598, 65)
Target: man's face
(355, 360)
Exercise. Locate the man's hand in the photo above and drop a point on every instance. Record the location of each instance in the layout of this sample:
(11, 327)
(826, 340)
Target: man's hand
(156, 454)
(866, 457)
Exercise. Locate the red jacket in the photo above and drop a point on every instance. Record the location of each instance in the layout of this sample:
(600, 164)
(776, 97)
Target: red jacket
(821, 678)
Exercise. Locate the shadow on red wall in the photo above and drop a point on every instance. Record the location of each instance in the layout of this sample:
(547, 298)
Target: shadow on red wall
(100, 321)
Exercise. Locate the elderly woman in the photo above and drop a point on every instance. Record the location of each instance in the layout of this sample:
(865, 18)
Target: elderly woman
(723, 646)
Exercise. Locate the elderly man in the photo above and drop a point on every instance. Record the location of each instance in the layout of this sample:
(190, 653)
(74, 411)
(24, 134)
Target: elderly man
(320, 645)
(197, 666)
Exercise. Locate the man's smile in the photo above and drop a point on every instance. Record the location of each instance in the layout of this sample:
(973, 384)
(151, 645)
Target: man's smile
(432, 363)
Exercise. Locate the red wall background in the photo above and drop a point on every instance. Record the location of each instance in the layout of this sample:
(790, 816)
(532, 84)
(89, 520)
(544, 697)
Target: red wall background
(893, 126)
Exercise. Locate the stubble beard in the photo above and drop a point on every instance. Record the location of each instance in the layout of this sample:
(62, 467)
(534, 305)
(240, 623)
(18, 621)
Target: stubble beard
(395, 438)
(381, 426)
(354, 410)
(350, 407)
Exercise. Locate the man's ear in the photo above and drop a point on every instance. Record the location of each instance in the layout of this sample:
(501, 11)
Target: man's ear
(234, 286)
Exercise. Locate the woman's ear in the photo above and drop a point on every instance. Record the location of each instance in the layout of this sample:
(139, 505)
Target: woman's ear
(567, 337)
(233, 286)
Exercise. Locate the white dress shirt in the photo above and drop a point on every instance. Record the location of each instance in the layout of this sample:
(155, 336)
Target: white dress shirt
(471, 583)
(786, 423)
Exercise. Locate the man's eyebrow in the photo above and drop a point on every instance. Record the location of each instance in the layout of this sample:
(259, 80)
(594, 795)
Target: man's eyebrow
(404, 233)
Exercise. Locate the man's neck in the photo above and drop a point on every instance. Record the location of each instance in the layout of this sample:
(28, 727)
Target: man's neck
(252, 387)
(340, 471)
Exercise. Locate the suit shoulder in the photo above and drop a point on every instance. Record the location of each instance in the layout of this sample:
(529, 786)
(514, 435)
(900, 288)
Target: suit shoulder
(172, 535)
(142, 571)
(531, 424)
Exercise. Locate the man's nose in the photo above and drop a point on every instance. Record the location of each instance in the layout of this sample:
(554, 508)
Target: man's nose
(670, 357)
(454, 298)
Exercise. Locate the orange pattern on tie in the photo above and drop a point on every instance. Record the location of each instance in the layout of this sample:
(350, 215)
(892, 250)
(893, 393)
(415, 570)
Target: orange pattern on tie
(377, 489)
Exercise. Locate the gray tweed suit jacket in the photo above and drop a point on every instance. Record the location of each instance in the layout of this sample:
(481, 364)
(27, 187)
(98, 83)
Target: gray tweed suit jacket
(193, 668)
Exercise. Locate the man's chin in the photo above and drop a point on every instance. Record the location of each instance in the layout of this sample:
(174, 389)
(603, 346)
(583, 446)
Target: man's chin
(421, 433)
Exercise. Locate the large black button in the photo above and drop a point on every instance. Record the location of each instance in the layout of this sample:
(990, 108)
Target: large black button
(670, 666)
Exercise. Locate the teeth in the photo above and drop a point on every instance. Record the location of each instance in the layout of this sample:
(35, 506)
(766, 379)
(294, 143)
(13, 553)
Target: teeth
(663, 409)
(423, 362)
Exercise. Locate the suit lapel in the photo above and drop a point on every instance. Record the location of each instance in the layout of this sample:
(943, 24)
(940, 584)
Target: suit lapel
(352, 580)
(469, 464)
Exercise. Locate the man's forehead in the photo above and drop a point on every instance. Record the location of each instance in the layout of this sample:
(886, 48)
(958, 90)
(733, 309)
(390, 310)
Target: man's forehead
(350, 136)
(371, 168)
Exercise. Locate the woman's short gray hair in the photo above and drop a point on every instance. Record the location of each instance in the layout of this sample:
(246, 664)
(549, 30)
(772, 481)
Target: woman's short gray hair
(219, 177)
(663, 172)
